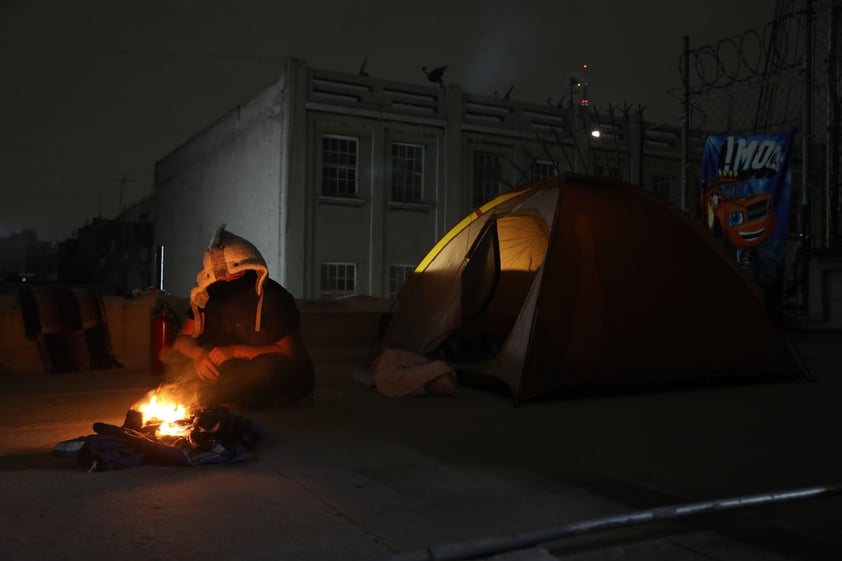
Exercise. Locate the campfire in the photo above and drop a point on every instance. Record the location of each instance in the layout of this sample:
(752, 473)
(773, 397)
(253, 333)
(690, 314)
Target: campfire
(171, 418)
(162, 413)
(166, 426)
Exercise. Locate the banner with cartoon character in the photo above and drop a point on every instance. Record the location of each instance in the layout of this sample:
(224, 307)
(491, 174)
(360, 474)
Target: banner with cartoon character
(744, 198)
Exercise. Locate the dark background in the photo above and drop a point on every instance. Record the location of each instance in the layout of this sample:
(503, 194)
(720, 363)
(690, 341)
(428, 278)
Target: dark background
(98, 90)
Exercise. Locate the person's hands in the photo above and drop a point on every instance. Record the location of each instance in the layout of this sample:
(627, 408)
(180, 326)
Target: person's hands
(205, 367)
(218, 355)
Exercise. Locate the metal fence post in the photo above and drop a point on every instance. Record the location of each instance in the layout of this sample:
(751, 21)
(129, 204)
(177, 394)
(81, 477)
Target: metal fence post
(806, 115)
(685, 123)
(806, 132)
(833, 129)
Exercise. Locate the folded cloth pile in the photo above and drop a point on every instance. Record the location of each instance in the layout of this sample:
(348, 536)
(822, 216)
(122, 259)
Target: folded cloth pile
(400, 373)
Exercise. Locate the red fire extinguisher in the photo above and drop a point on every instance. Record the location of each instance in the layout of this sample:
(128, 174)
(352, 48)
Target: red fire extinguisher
(161, 336)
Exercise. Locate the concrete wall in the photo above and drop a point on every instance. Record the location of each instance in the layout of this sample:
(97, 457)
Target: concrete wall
(824, 294)
(129, 330)
(229, 173)
(128, 327)
(17, 354)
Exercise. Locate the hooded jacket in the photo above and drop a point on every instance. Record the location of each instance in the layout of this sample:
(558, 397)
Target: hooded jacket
(227, 254)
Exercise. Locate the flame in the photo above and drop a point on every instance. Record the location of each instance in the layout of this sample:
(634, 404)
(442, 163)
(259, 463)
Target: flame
(167, 413)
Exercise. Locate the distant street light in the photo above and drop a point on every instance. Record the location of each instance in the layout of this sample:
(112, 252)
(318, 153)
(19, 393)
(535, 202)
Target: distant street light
(595, 133)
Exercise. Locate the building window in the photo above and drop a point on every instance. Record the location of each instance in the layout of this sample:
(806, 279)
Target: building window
(339, 166)
(486, 177)
(338, 279)
(661, 186)
(397, 277)
(541, 169)
(407, 173)
(607, 170)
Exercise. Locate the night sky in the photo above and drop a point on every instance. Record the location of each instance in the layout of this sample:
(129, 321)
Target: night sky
(97, 90)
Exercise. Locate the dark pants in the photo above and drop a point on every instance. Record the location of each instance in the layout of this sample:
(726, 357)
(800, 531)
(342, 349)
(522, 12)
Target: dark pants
(255, 383)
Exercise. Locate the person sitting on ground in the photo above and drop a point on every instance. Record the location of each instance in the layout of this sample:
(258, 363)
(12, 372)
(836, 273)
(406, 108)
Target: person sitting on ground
(241, 335)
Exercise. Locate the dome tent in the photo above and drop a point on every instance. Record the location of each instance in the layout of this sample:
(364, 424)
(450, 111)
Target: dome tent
(578, 281)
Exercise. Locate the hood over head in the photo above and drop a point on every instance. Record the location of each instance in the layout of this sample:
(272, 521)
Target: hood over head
(227, 254)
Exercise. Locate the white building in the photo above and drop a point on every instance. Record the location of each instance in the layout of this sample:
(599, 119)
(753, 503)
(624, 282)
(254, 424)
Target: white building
(344, 182)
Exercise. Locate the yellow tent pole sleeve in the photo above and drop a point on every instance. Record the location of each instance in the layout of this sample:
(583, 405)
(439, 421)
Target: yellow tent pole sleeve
(464, 223)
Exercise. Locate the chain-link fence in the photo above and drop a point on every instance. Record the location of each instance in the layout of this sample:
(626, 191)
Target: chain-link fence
(780, 77)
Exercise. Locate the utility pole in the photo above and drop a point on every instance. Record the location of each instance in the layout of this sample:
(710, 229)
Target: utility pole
(123, 182)
(121, 237)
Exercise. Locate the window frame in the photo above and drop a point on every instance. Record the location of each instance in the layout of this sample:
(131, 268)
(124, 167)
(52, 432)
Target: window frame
(406, 269)
(329, 285)
(418, 173)
(553, 169)
(339, 166)
(480, 185)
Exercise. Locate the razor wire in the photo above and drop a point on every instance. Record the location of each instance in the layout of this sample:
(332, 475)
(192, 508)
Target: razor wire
(751, 83)
(754, 53)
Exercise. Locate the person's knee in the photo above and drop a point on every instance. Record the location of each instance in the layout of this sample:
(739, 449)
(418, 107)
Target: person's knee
(271, 378)
(294, 379)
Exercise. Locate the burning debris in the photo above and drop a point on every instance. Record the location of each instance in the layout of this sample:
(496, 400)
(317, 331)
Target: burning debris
(161, 412)
(171, 417)
(161, 429)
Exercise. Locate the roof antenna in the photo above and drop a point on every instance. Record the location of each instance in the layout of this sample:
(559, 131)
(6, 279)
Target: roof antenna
(436, 74)
(509, 92)
(558, 103)
(362, 71)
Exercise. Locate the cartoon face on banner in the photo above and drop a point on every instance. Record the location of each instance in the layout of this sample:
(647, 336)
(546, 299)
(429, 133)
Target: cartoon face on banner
(745, 197)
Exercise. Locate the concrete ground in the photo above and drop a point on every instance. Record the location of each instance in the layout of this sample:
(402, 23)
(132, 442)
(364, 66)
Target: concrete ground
(359, 476)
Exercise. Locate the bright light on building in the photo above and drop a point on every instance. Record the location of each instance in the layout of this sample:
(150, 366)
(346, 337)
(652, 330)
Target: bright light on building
(595, 133)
